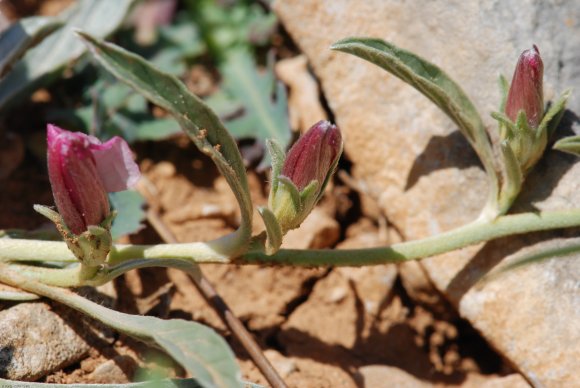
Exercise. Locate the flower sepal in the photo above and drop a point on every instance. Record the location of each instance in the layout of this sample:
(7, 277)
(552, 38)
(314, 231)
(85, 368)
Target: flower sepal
(299, 179)
(92, 246)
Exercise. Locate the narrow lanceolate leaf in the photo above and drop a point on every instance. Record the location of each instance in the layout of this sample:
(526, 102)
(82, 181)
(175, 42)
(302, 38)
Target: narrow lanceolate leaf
(199, 349)
(429, 80)
(99, 18)
(552, 118)
(273, 230)
(277, 157)
(570, 144)
(195, 117)
(21, 36)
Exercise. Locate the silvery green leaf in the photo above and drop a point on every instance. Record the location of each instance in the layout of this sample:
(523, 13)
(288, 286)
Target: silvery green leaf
(426, 78)
(291, 188)
(504, 89)
(199, 349)
(23, 35)
(194, 116)
(506, 124)
(553, 116)
(513, 177)
(99, 18)
(436, 85)
(273, 230)
(277, 156)
(570, 144)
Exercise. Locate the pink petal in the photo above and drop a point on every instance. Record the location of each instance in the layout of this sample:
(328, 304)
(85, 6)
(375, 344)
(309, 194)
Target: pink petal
(115, 164)
(77, 188)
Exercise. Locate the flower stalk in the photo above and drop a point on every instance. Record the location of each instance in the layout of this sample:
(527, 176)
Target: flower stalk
(17, 250)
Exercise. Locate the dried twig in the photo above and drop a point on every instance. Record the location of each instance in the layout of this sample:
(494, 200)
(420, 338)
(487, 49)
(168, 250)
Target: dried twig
(215, 300)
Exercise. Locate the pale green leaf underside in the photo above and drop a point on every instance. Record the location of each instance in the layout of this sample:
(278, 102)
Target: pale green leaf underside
(199, 349)
(99, 18)
(22, 35)
(430, 80)
(194, 116)
(570, 144)
(273, 230)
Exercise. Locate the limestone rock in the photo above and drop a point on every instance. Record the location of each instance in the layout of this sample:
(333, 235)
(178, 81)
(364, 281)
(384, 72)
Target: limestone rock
(119, 370)
(382, 376)
(35, 340)
(318, 231)
(429, 179)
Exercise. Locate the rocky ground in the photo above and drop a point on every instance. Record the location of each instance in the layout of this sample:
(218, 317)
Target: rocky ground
(407, 174)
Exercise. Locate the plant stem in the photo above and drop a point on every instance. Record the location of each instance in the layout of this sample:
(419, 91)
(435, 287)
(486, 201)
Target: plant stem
(470, 234)
(473, 233)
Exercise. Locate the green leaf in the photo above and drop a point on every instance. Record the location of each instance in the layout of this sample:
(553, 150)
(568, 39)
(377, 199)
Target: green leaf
(99, 18)
(506, 124)
(199, 349)
(129, 207)
(193, 115)
(21, 36)
(570, 144)
(429, 80)
(273, 230)
(265, 107)
(231, 25)
(513, 177)
(277, 157)
(157, 129)
(552, 118)
(292, 190)
(434, 84)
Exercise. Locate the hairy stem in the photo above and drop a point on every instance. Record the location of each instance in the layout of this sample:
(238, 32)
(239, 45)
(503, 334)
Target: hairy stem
(478, 231)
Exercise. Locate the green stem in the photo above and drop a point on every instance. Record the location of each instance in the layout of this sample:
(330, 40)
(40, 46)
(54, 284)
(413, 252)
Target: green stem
(62, 277)
(476, 232)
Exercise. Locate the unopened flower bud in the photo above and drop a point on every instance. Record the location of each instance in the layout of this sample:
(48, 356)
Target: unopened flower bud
(304, 174)
(526, 91)
(313, 155)
(82, 170)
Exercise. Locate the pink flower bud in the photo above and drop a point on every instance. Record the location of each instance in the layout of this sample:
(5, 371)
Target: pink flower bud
(82, 170)
(313, 155)
(526, 88)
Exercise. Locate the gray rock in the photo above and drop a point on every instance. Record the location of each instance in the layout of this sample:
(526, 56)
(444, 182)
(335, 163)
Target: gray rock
(428, 179)
(34, 341)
